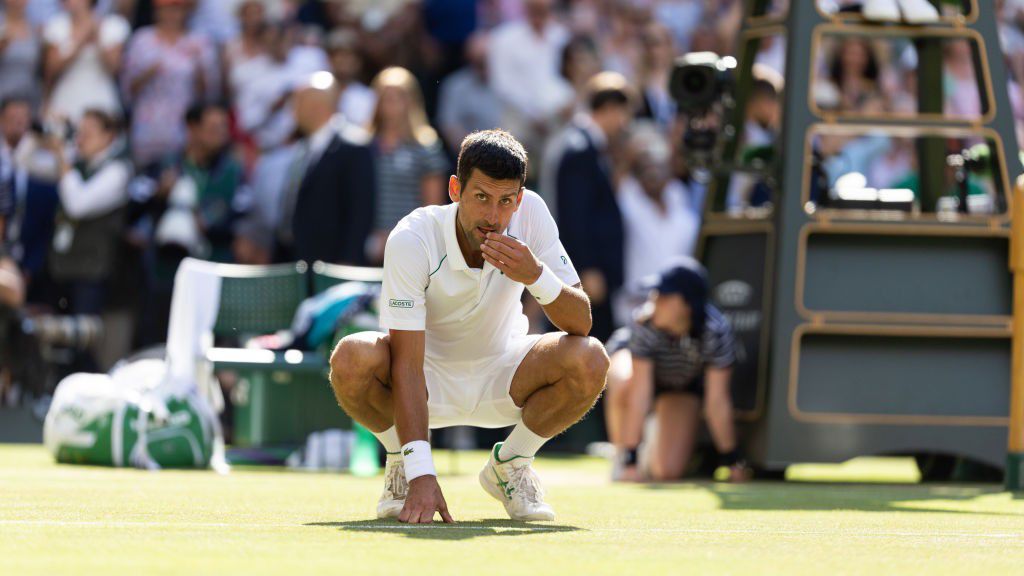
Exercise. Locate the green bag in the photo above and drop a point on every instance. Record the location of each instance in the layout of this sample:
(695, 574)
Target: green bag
(125, 420)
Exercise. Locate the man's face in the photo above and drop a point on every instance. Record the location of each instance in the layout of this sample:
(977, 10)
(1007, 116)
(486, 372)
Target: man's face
(614, 119)
(345, 64)
(92, 138)
(213, 133)
(485, 205)
(537, 11)
(15, 121)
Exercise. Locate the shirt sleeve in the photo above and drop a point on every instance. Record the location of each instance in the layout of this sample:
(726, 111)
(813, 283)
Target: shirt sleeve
(403, 297)
(643, 341)
(719, 342)
(53, 32)
(104, 191)
(432, 160)
(542, 238)
(114, 31)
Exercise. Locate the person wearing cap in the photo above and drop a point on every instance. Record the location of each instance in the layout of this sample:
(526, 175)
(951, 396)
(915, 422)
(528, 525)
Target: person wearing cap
(675, 358)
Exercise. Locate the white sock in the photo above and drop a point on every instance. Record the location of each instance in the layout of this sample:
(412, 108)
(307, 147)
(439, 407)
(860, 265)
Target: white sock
(521, 442)
(389, 438)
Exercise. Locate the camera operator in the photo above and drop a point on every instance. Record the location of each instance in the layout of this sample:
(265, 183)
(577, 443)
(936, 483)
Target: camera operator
(93, 195)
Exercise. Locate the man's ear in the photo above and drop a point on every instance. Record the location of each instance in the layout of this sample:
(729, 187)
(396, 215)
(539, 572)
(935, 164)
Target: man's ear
(454, 188)
(519, 198)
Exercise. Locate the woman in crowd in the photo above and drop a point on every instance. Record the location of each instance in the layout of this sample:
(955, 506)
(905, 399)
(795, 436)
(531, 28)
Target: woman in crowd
(20, 50)
(410, 162)
(676, 357)
(82, 60)
(166, 69)
(855, 73)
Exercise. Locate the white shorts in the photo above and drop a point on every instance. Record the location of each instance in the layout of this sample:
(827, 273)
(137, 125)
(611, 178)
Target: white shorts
(476, 392)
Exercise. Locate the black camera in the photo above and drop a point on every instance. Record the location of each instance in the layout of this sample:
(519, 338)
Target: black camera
(62, 130)
(700, 80)
(702, 86)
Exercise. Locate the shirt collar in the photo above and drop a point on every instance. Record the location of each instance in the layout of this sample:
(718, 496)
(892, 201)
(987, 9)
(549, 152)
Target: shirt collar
(593, 131)
(455, 258)
(322, 137)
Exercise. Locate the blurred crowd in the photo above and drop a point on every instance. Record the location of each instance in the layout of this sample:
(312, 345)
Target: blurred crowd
(138, 132)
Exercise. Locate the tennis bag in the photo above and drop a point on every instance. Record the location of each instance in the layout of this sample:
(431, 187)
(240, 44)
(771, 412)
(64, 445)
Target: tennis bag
(130, 417)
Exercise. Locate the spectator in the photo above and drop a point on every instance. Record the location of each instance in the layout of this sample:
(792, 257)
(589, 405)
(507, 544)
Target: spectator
(327, 208)
(357, 100)
(757, 139)
(653, 75)
(581, 60)
(27, 177)
(213, 19)
(210, 176)
(963, 98)
(82, 60)
(411, 166)
(254, 239)
(620, 46)
(20, 51)
(93, 193)
(248, 46)
(676, 356)
(167, 68)
(588, 213)
(468, 103)
(683, 18)
(661, 217)
(523, 60)
(854, 72)
(262, 104)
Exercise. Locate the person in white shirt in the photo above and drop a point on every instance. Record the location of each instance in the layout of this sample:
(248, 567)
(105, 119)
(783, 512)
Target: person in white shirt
(523, 60)
(458, 352)
(269, 81)
(82, 59)
(661, 216)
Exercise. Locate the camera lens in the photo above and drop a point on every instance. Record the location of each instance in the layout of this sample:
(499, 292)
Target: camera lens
(695, 81)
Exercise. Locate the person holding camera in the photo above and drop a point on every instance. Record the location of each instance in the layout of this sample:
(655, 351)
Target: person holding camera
(93, 191)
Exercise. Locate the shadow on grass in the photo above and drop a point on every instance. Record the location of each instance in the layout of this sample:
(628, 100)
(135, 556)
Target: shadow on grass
(439, 531)
(827, 496)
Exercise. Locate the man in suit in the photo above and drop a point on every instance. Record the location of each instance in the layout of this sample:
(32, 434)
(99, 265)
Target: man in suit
(327, 205)
(588, 213)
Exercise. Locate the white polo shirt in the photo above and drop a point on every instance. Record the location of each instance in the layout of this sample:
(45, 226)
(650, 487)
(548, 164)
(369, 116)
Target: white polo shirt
(467, 313)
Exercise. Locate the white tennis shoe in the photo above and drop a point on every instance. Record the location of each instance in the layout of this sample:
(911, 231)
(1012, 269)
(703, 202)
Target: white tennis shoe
(396, 488)
(515, 484)
(918, 11)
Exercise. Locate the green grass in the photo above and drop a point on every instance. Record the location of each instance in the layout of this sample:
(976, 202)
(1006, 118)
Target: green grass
(66, 519)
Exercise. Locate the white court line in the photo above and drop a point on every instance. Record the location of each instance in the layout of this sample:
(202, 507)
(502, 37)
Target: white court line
(439, 526)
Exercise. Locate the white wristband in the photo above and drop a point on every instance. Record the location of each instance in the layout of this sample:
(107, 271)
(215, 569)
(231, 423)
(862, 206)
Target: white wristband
(417, 459)
(547, 288)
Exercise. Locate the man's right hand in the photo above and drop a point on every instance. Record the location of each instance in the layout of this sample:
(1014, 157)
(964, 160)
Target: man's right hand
(423, 500)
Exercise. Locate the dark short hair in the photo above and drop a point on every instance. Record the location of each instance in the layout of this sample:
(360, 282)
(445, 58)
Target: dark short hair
(496, 153)
(109, 122)
(15, 99)
(195, 113)
(608, 88)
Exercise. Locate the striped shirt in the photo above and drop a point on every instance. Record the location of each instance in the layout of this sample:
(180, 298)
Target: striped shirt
(679, 363)
(399, 173)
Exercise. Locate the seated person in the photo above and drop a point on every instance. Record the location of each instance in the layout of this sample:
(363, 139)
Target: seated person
(676, 341)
